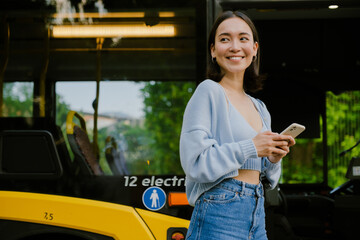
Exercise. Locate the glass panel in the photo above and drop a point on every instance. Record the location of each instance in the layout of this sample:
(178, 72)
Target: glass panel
(139, 118)
(304, 163)
(18, 99)
(141, 121)
(343, 121)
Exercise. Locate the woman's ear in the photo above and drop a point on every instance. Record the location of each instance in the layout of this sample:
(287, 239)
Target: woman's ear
(256, 47)
(212, 50)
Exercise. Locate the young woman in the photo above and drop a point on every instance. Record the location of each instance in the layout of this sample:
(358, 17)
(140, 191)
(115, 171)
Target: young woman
(226, 143)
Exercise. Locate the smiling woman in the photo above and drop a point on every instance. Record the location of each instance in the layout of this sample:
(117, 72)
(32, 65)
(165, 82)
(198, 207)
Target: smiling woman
(234, 146)
(147, 82)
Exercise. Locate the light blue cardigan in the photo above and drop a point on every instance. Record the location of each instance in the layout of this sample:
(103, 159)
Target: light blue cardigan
(208, 151)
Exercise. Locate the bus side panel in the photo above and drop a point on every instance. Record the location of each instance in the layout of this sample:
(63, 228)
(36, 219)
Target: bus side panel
(158, 222)
(108, 219)
(15, 230)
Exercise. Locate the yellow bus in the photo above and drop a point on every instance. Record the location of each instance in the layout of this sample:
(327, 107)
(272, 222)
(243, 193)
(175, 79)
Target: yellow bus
(92, 97)
(80, 153)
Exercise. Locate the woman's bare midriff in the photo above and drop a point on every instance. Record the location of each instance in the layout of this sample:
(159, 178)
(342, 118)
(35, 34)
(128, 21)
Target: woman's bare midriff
(249, 176)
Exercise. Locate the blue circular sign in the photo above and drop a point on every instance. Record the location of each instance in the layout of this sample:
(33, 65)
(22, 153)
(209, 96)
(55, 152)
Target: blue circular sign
(154, 198)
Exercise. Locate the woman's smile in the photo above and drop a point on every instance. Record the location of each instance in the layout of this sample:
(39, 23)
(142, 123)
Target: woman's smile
(235, 58)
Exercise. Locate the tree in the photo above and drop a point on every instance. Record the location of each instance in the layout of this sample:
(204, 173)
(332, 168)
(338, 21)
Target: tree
(304, 164)
(343, 121)
(62, 109)
(165, 103)
(18, 99)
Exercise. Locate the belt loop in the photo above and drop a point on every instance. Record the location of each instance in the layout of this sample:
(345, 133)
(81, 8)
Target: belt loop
(242, 188)
(258, 190)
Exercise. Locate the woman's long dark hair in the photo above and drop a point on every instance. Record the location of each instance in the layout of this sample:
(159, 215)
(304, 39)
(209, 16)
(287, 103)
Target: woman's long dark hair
(253, 81)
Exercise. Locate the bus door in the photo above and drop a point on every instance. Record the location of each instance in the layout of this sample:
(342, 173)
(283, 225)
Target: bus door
(125, 93)
(115, 75)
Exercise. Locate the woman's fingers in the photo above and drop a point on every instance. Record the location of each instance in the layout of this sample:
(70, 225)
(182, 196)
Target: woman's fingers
(289, 139)
(269, 143)
(281, 150)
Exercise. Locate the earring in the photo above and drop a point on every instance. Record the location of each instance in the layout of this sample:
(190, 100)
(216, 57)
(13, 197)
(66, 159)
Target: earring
(254, 58)
(213, 60)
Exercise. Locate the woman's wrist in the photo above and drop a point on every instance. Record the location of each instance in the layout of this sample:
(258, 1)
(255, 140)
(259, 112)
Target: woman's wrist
(274, 159)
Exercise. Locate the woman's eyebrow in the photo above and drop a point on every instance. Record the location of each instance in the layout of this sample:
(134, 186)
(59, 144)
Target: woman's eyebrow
(245, 33)
(224, 34)
(228, 34)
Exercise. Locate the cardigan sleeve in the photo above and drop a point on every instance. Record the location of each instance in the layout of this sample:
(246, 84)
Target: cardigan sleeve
(202, 157)
(271, 171)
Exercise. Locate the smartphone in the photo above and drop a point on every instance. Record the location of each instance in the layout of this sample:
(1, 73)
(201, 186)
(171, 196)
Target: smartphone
(293, 130)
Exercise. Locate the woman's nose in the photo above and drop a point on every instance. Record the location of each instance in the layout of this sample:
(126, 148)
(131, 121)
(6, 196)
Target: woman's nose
(235, 46)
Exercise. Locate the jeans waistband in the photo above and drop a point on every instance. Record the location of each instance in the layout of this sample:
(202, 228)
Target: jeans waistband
(242, 187)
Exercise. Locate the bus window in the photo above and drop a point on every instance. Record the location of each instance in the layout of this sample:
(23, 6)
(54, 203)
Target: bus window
(18, 99)
(343, 131)
(305, 162)
(146, 61)
(140, 120)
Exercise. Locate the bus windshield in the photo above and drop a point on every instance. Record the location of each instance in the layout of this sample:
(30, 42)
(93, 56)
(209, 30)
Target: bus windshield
(141, 120)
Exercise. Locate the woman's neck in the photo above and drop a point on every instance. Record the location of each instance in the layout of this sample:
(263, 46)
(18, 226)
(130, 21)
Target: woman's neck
(233, 84)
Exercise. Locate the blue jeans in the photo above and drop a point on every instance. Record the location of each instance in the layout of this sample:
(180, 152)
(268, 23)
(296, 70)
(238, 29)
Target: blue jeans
(232, 210)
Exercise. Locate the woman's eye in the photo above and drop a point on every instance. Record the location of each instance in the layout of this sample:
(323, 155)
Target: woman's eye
(244, 39)
(224, 39)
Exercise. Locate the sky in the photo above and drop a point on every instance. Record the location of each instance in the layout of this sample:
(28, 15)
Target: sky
(124, 96)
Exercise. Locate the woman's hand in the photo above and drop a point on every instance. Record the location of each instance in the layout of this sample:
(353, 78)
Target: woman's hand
(273, 145)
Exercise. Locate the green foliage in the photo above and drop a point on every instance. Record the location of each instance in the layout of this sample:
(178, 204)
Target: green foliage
(133, 140)
(138, 148)
(348, 142)
(343, 121)
(18, 99)
(165, 103)
(62, 109)
(304, 164)
(151, 145)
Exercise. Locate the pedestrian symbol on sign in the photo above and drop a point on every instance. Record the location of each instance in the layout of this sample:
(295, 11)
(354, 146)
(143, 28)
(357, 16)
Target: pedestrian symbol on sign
(154, 198)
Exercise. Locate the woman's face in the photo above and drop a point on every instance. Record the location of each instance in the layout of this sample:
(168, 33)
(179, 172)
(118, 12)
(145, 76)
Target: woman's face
(234, 46)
